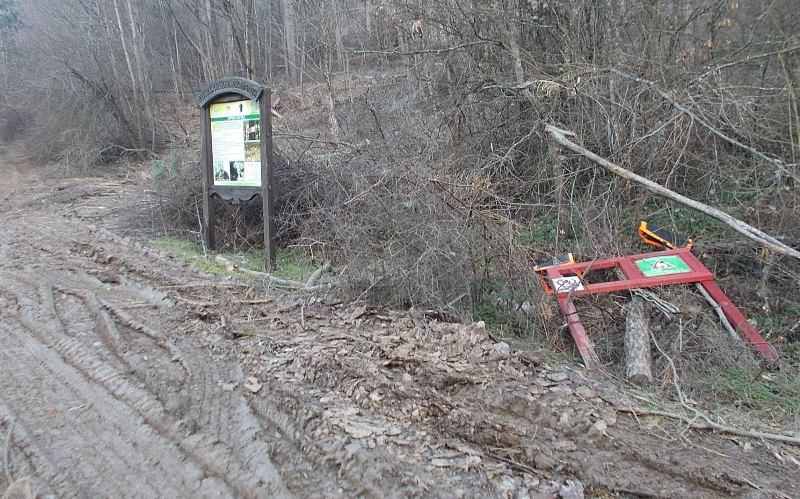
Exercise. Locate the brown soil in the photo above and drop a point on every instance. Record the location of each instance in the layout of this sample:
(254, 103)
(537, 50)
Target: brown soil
(128, 373)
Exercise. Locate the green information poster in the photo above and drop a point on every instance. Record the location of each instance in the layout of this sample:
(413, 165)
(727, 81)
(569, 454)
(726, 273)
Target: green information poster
(236, 143)
(662, 265)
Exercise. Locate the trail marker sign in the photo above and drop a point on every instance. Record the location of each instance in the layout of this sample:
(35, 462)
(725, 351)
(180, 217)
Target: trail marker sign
(236, 157)
(663, 265)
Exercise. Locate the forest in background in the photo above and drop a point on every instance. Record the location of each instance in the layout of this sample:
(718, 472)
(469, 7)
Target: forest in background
(412, 149)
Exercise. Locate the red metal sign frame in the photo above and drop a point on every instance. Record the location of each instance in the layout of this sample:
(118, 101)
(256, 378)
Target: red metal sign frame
(633, 279)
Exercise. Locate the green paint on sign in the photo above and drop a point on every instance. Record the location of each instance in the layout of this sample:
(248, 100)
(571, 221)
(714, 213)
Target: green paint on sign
(662, 265)
(236, 117)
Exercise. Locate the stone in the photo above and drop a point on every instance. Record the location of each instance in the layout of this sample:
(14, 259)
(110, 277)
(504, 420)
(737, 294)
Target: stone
(544, 462)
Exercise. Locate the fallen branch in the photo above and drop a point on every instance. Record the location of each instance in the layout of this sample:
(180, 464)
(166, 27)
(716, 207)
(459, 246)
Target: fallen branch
(314, 277)
(278, 281)
(739, 226)
(725, 322)
(425, 51)
(700, 421)
(707, 424)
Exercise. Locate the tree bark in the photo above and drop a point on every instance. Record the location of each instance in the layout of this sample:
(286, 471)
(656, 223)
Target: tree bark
(290, 36)
(637, 344)
(249, 37)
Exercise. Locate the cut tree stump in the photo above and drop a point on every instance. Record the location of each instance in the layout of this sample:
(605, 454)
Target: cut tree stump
(637, 344)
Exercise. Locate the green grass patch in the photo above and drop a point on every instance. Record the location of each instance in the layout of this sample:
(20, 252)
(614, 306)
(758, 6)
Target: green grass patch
(774, 392)
(293, 263)
(500, 320)
(543, 233)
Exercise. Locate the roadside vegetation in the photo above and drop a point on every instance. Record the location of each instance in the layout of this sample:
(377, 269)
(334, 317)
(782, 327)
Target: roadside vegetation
(412, 153)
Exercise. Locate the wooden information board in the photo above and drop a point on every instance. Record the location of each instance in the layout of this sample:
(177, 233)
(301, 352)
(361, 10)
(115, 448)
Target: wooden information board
(236, 153)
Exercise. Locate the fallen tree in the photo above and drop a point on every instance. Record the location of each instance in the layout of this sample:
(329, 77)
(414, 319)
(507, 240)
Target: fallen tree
(739, 226)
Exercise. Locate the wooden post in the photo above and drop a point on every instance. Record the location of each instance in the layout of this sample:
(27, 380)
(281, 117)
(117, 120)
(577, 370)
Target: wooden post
(267, 164)
(637, 344)
(206, 166)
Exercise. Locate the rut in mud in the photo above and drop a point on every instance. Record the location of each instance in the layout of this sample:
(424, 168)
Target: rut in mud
(128, 373)
(102, 403)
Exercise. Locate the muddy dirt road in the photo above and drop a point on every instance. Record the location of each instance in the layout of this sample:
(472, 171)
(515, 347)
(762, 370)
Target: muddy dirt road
(127, 373)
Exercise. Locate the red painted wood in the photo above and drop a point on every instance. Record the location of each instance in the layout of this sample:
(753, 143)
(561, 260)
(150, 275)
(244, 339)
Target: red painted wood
(693, 262)
(739, 322)
(635, 279)
(630, 269)
(606, 263)
(645, 282)
(582, 341)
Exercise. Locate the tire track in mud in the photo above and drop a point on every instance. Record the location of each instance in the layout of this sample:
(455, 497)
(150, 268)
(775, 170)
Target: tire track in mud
(74, 331)
(72, 429)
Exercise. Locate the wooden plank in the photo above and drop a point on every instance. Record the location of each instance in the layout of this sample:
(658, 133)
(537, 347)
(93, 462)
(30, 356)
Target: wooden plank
(582, 341)
(207, 169)
(267, 166)
(645, 282)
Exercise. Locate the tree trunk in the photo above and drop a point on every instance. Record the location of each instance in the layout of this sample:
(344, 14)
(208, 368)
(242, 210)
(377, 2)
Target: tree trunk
(637, 344)
(290, 36)
(209, 38)
(129, 64)
(249, 37)
(145, 83)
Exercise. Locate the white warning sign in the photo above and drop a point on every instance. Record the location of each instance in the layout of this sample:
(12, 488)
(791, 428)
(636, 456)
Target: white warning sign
(662, 265)
(567, 284)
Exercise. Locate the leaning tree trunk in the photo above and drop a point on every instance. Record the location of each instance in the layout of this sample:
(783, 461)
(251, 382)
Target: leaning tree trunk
(637, 344)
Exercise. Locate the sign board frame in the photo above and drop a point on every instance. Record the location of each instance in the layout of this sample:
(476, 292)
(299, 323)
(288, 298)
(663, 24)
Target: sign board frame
(231, 90)
(688, 270)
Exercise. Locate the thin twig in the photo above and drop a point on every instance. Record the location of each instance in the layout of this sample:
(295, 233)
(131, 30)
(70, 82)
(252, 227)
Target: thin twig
(718, 310)
(710, 425)
(776, 162)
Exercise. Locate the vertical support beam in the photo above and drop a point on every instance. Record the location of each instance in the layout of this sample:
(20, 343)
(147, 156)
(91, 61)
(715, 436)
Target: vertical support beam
(739, 321)
(207, 169)
(267, 166)
(584, 344)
